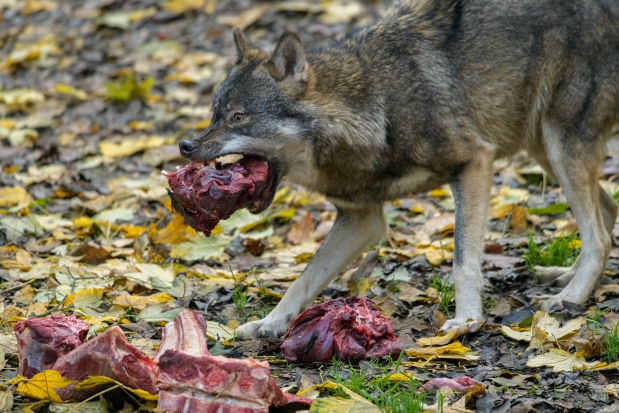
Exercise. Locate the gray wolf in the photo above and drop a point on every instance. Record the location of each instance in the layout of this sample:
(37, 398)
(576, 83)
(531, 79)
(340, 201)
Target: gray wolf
(432, 94)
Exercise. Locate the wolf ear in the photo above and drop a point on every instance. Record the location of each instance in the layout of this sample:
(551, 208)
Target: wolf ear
(243, 44)
(288, 61)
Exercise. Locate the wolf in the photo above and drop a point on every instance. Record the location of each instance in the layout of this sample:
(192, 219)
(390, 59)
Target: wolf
(432, 94)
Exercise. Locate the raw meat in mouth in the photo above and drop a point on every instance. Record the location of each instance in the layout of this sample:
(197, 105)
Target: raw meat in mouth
(205, 195)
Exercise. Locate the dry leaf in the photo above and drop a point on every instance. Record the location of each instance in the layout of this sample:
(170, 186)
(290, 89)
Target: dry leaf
(300, 231)
(141, 302)
(560, 360)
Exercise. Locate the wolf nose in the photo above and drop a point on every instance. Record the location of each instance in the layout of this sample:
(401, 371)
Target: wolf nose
(187, 147)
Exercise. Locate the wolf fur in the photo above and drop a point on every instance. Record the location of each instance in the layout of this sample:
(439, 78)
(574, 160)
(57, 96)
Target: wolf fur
(432, 94)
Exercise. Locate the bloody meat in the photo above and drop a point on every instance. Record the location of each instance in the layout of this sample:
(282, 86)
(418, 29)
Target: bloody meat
(350, 329)
(213, 384)
(182, 371)
(204, 195)
(41, 341)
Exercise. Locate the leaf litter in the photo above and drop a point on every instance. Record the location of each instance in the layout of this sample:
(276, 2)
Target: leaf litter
(86, 227)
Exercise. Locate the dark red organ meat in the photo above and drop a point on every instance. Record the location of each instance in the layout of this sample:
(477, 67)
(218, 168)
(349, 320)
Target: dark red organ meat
(110, 355)
(350, 329)
(204, 196)
(212, 384)
(41, 341)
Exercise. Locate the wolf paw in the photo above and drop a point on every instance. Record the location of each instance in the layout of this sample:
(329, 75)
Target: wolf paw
(463, 325)
(265, 328)
(555, 302)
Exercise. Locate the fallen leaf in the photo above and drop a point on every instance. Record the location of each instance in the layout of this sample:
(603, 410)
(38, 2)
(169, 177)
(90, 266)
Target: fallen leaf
(218, 332)
(440, 340)
(87, 298)
(95, 381)
(41, 386)
(14, 195)
(354, 403)
(141, 302)
(155, 313)
(451, 351)
(560, 361)
(547, 329)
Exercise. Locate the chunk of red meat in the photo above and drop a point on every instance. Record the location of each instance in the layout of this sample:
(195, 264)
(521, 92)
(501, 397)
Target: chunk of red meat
(207, 195)
(187, 332)
(110, 355)
(41, 341)
(461, 384)
(350, 329)
(213, 384)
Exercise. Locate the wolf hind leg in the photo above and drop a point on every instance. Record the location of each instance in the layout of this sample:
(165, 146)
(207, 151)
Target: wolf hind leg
(561, 276)
(354, 230)
(575, 162)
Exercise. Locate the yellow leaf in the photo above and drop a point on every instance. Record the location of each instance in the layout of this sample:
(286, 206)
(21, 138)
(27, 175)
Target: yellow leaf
(438, 193)
(400, 377)
(451, 351)
(71, 91)
(439, 340)
(545, 329)
(94, 381)
(128, 147)
(42, 385)
(83, 222)
(141, 302)
(174, 233)
(139, 125)
(14, 195)
(285, 215)
(90, 297)
(133, 231)
(218, 332)
(560, 360)
(182, 6)
(354, 403)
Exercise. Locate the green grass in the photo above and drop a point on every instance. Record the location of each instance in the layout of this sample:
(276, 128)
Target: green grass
(608, 338)
(611, 344)
(446, 292)
(373, 383)
(561, 251)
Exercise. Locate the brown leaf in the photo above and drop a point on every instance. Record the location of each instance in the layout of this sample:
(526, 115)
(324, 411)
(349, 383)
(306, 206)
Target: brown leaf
(519, 219)
(300, 231)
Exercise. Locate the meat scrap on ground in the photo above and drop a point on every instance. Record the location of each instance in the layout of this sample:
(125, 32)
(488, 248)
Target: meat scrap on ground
(213, 384)
(41, 341)
(110, 355)
(350, 329)
(187, 333)
(204, 195)
(462, 384)
(186, 377)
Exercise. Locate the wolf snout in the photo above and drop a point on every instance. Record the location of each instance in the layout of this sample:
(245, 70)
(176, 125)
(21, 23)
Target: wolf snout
(187, 148)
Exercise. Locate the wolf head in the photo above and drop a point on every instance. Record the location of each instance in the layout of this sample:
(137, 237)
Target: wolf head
(256, 110)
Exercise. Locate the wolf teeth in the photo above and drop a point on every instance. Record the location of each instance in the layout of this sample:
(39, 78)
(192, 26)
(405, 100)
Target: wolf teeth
(212, 164)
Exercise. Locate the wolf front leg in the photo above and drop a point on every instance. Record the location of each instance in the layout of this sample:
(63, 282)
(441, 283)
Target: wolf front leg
(354, 230)
(471, 190)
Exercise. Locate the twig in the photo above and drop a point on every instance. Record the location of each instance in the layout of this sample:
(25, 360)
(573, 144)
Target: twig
(92, 397)
(18, 286)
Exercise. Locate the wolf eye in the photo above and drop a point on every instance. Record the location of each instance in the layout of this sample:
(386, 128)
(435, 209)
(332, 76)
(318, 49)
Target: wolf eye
(237, 117)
